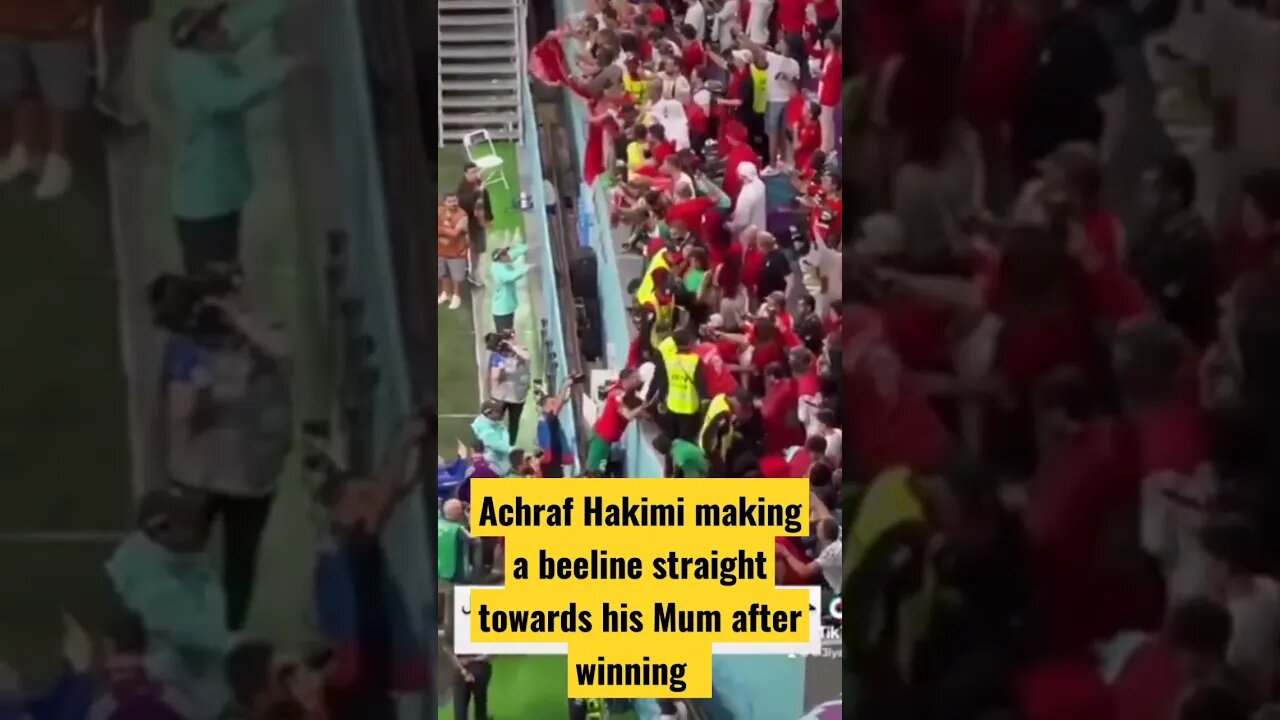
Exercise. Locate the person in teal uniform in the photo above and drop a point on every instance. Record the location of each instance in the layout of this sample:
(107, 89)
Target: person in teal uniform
(213, 90)
(508, 268)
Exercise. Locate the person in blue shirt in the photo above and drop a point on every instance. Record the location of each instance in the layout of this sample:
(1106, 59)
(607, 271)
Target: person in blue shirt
(555, 453)
(213, 92)
(508, 267)
(71, 693)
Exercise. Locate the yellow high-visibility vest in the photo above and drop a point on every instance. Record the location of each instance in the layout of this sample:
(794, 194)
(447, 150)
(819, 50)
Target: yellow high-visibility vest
(682, 392)
(664, 323)
(760, 83)
(888, 504)
(637, 89)
(645, 294)
(718, 408)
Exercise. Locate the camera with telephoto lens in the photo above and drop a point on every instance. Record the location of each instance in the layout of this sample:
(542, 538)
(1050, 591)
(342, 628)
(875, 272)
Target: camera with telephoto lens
(499, 342)
(713, 164)
(179, 303)
(798, 239)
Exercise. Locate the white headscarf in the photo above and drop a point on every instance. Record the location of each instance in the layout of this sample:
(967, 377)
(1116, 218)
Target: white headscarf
(670, 115)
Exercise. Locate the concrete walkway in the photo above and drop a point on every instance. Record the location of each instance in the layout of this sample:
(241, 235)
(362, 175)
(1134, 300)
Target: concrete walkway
(281, 266)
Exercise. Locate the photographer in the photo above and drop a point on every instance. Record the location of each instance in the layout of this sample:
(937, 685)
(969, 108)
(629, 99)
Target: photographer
(360, 607)
(227, 414)
(510, 377)
(555, 454)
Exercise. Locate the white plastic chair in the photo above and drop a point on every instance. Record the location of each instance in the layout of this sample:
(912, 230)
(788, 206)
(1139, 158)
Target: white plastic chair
(489, 162)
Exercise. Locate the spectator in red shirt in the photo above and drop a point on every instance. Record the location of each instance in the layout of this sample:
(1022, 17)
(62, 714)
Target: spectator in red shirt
(766, 346)
(1001, 53)
(889, 418)
(1255, 237)
(827, 13)
(830, 88)
(691, 210)
(660, 148)
(737, 151)
(780, 410)
(693, 56)
(1084, 500)
(752, 261)
(808, 134)
(1154, 368)
(621, 406)
(656, 13)
(802, 458)
(1066, 688)
(719, 369)
(1191, 649)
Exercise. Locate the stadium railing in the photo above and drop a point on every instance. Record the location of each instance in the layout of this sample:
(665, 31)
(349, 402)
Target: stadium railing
(370, 214)
(552, 328)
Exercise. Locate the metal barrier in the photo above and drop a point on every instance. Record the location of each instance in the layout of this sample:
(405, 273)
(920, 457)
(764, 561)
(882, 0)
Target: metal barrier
(376, 389)
(552, 325)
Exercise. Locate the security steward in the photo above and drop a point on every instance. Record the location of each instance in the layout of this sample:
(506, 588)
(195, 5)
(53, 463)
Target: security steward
(722, 433)
(658, 298)
(891, 580)
(679, 385)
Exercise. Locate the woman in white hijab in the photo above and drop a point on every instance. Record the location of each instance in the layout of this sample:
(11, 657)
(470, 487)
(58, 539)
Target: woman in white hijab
(749, 211)
(670, 115)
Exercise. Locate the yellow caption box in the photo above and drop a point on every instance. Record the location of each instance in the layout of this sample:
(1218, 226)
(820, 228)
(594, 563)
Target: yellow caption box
(637, 579)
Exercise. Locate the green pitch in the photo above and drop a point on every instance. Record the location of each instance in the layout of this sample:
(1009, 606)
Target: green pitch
(527, 686)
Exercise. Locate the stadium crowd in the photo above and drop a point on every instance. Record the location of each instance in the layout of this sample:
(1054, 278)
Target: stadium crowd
(714, 127)
(734, 360)
(1058, 374)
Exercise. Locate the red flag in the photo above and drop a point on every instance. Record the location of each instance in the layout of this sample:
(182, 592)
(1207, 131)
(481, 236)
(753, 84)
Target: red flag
(547, 61)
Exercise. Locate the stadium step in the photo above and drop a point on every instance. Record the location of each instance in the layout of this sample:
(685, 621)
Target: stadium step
(492, 85)
(476, 20)
(466, 34)
(451, 136)
(476, 101)
(468, 5)
(481, 56)
(499, 69)
(477, 52)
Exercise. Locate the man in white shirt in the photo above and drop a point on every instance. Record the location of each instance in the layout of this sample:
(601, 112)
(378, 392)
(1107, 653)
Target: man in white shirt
(829, 562)
(696, 16)
(1253, 600)
(784, 74)
(726, 23)
(750, 208)
(1244, 79)
(669, 113)
(758, 21)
